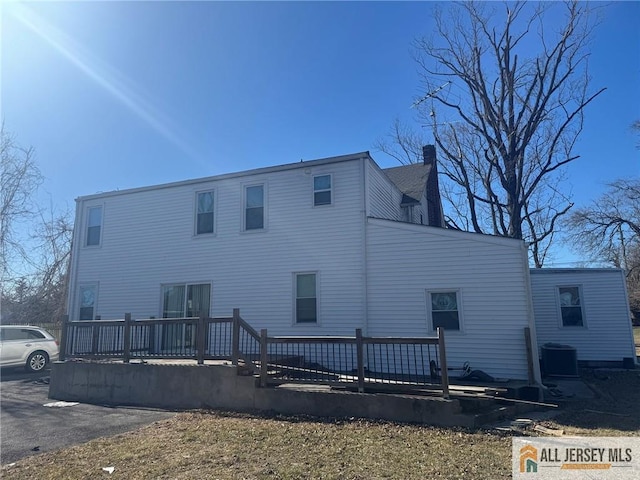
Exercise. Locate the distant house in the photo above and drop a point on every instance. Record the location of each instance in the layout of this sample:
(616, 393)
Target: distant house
(317, 247)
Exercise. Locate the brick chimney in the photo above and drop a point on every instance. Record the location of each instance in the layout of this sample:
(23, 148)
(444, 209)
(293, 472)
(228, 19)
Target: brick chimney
(429, 154)
(434, 203)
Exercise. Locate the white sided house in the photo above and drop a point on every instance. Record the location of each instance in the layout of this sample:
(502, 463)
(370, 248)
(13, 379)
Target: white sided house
(587, 309)
(317, 247)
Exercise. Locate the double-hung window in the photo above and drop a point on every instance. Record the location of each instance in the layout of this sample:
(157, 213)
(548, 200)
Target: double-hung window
(190, 300)
(571, 306)
(444, 309)
(254, 207)
(94, 226)
(306, 307)
(322, 190)
(204, 212)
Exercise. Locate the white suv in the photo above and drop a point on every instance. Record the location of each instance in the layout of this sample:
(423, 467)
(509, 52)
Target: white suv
(32, 347)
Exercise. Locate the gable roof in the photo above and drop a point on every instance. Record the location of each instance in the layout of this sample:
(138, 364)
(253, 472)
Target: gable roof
(411, 180)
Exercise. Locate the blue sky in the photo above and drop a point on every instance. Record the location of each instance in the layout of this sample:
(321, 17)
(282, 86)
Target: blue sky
(116, 95)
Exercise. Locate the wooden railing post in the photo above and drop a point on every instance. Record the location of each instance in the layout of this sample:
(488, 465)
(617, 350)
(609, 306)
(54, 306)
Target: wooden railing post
(444, 372)
(126, 354)
(360, 355)
(95, 333)
(63, 338)
(263, 357)
(235, 338)
(527, 341)
(200, 334)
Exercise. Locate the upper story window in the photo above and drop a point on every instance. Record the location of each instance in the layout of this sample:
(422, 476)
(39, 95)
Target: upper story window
(407, 213)
(306, 298)
(322, 190)
(204, 212)
(94, 226)
(254, 207)
(444, 310)
(571, 306)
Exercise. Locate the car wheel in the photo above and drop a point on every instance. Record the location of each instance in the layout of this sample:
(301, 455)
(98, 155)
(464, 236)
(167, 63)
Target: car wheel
(37, 361)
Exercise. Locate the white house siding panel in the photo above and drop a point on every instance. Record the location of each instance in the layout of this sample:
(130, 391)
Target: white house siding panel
(148, 240)
(404, 261)
(384, 196)
(607, 335)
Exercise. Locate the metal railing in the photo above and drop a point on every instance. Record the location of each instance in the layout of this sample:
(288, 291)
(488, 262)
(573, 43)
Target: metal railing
(198, 338)
(360, 362)
(357, 362)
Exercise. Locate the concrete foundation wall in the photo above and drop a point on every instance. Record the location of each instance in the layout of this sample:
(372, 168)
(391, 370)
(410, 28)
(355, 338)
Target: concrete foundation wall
(219, 386)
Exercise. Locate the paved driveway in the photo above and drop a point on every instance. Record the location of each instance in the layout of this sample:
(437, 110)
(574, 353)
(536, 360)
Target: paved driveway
(27, 427)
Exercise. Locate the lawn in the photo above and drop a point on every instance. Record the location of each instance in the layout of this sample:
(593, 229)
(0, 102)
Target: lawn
(203, 445)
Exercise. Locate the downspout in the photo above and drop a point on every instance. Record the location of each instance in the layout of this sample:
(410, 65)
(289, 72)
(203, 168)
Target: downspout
(530, 313)
(365, 212)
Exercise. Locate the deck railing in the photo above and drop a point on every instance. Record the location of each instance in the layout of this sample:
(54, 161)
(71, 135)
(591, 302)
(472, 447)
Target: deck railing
(373, 362)
(357, 362)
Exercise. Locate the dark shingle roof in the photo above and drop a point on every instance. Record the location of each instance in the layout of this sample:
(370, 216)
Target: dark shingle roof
(411, 180)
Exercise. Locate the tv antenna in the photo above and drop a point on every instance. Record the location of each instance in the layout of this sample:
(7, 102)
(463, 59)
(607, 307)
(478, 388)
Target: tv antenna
(429, 95)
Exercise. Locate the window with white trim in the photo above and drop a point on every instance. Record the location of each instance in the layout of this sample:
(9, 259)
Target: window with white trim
(186, 300)
(204, 212)
(306, 306)
(444, 309)
(254, 207)
(87, 301)
(322, 190)
(571, 310)
(94, 226)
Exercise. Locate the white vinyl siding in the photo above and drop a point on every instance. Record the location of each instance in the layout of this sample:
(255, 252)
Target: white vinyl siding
(384, 196)
(94, 226)
(607, 334)
(205, 211)
(246, 271)
(405, 260)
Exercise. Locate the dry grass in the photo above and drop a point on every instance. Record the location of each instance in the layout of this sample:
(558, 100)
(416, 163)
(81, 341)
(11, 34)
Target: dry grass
(229, 446)
(210, 445)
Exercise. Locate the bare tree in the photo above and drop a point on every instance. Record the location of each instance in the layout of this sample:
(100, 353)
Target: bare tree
(505, 120)
(609, 230)
(35, 242)
(19, 180)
